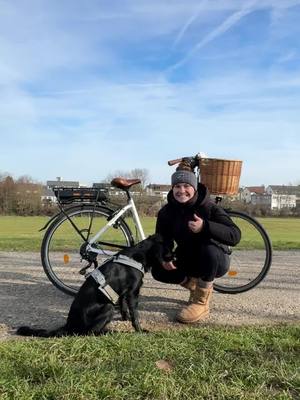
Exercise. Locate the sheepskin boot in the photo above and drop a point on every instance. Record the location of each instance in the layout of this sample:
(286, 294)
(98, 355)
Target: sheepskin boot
(190, 283)
(198, 308)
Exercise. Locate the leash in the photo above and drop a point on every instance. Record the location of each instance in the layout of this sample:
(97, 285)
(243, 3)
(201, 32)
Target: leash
(99, 278)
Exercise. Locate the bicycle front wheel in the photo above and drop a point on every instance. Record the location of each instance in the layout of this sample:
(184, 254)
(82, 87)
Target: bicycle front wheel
(250, 260)
(60, 254)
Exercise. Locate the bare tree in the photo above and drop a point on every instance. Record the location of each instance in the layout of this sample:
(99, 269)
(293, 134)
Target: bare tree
(142, 174)
(137, 173)
(4, 175)
(7, 195)
(24, 179)
(115, 174)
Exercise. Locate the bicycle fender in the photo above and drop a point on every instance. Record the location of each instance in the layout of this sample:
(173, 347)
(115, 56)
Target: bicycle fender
(49, 221)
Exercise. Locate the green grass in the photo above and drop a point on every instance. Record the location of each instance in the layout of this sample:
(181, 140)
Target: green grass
(22, 233)
(284, 232)
(206, 363)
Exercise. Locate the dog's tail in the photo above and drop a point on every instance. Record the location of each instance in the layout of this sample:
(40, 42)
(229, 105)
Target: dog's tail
(46, 333)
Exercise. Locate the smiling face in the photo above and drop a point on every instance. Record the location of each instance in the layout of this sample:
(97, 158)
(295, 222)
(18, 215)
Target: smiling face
(183, 192)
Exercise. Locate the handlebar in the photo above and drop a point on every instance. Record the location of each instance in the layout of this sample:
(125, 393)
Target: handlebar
(192, 161)
(176, 161)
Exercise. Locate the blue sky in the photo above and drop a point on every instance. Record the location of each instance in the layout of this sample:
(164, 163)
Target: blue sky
(88, 88)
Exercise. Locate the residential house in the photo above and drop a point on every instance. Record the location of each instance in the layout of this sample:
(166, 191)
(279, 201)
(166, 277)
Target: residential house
(283, 196)
(158, 190)
(112, 191)
(48, 194)
(250, 192)
(256, 195)
(60, 183)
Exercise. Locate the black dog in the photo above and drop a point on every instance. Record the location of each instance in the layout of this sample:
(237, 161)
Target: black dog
(92, 309)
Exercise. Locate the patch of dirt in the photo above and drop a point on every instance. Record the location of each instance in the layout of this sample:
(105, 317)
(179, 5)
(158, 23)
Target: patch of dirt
(28, 298)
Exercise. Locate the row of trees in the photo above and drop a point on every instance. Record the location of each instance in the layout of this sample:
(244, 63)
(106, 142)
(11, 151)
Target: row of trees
(23, 197)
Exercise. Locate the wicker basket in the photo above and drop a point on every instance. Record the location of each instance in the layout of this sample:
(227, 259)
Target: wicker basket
(220, 176)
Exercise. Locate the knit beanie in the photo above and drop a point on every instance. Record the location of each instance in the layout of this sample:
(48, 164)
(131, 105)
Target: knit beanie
(183, 176)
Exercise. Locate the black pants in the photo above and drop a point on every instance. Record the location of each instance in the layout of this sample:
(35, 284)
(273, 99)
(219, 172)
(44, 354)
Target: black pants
(206, 262)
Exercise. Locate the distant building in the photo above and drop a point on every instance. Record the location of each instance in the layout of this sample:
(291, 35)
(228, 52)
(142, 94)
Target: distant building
(158, 190)
(61, 183)
(48, 195)
(250, 192)
(112, 191)
(283, 196)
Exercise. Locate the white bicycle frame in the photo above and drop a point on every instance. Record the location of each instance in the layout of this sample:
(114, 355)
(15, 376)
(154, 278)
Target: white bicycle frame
(130, 206)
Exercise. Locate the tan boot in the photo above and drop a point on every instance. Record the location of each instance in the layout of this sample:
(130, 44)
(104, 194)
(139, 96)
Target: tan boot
(198, 308)
(191, 285)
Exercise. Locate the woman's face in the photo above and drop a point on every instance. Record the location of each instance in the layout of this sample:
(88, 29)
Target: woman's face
(183, 192)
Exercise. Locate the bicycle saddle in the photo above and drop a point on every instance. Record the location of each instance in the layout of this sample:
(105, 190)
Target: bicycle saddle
(123, 183)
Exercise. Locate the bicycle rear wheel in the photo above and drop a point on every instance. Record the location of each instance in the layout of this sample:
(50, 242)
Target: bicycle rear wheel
(60, 254)
(250, 260)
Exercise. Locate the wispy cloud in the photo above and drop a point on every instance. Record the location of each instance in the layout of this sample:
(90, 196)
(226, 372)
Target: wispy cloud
(189, 23)
(227, 24)
(288, 56)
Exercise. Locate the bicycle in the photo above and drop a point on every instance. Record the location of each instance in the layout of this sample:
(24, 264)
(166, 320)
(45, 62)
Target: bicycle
(87, 215)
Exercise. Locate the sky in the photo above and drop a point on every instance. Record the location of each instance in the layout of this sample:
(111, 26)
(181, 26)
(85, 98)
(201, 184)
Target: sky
(89, 88)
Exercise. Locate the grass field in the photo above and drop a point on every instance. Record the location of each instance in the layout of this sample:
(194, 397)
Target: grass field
(204, 363)
(22, 233)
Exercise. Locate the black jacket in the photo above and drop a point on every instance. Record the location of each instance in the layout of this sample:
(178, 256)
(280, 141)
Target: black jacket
(172, 224)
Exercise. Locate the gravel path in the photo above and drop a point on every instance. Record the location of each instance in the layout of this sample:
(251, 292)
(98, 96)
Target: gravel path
(27, 297)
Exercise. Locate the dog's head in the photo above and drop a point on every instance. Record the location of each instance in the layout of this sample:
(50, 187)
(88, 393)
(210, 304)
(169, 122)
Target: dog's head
(147, 251)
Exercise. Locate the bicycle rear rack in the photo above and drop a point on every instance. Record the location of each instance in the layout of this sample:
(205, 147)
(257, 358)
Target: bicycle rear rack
(66, 195)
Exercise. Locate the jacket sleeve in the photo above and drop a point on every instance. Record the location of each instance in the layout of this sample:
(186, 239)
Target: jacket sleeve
(162, 227)
(221, 228)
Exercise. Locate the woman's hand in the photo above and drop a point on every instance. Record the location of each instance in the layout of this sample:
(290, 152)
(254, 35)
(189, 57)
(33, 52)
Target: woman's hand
(168, 265)
(196, 225)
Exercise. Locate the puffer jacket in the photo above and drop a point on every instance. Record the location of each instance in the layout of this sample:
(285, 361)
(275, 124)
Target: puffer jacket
(172, 224)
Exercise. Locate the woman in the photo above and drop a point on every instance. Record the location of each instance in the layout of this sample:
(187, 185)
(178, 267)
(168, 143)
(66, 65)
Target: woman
(202, 231)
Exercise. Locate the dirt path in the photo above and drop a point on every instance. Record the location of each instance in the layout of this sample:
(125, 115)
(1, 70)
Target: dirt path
(27, 297)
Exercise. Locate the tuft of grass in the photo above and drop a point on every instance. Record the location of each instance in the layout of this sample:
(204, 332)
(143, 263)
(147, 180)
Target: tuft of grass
(205, 363)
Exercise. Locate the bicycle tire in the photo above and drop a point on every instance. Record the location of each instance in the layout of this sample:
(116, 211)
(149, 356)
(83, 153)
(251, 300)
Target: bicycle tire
(250, 260)
(60, 254)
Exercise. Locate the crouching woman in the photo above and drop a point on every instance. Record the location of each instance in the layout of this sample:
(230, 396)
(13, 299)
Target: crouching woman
(202, 231)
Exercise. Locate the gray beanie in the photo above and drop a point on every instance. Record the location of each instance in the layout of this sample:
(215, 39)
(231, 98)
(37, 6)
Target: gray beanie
(183, 176)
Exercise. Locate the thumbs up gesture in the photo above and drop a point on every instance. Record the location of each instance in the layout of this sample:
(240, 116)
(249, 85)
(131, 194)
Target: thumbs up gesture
(196, 224)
